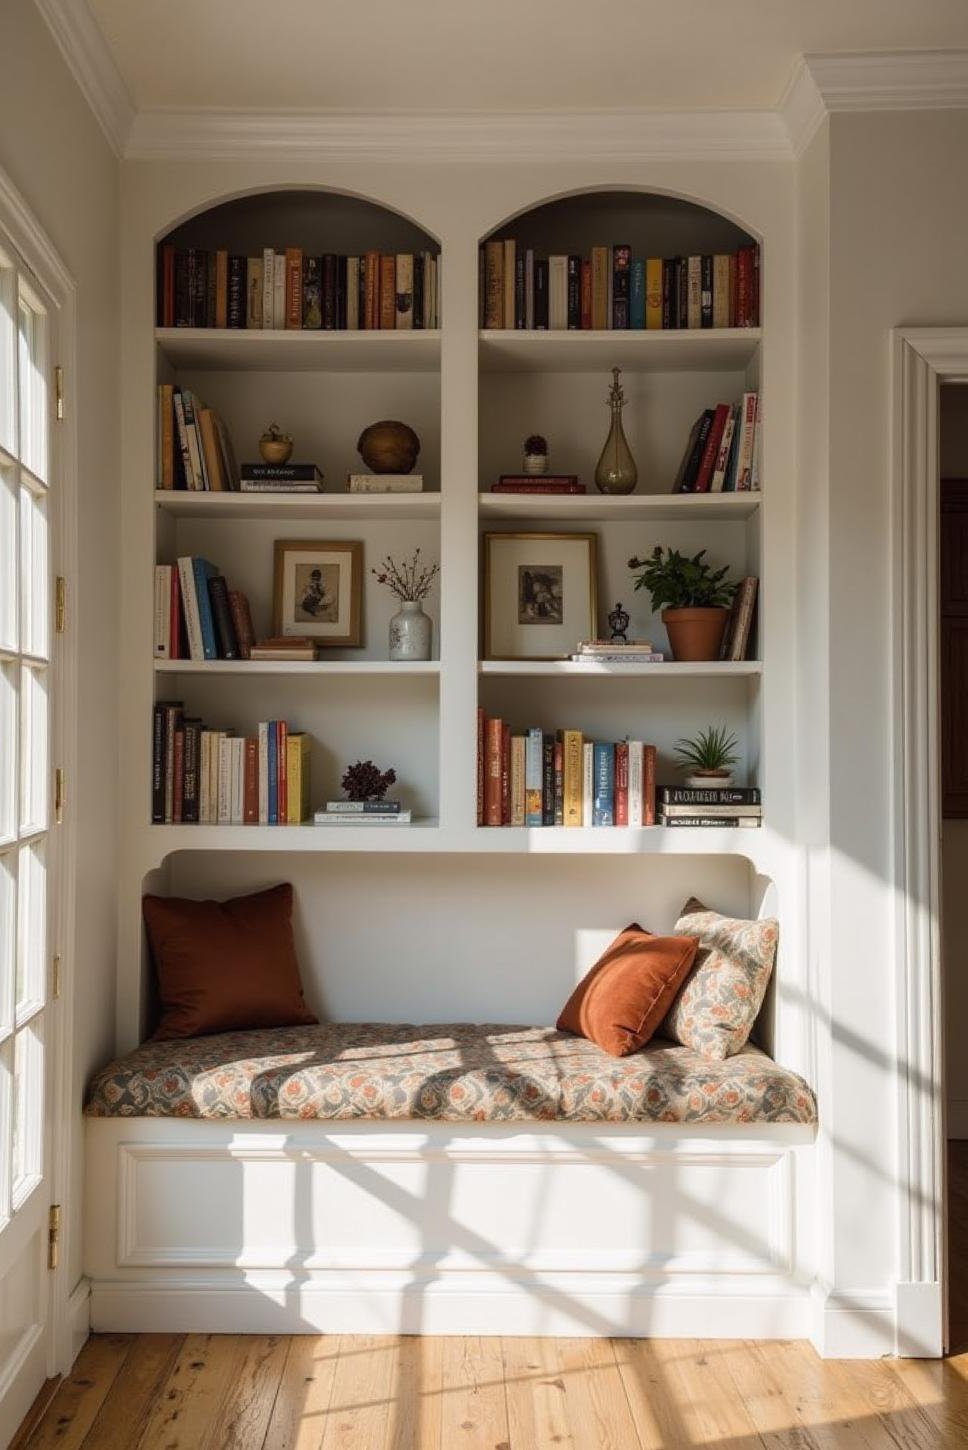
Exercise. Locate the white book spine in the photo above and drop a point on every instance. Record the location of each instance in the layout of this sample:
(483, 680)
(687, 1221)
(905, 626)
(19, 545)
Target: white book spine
(279, 290)
(263, 772)
(757, 434)
(404, 300)
(352, 294)
(635, 782)
(224, 780)
(268, 285)
(162, 644)
(722, 457)
(204, 760)
(214, 761)
(587, 782)
(744, 464)
(193, 623)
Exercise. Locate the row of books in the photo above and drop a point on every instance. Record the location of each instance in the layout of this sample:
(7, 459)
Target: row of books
(611, 289)
(715, 806)
(290, 289)
(197, 616)
(193, 448)
(722, 453)
(204, 777)
(540, 779)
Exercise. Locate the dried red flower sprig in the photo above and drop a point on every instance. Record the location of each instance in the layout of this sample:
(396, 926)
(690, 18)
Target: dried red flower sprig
(410, 580)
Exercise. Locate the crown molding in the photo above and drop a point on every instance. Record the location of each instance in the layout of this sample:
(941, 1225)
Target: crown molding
(92, 65)
(461, 136)
(901, 80)
(801, 108)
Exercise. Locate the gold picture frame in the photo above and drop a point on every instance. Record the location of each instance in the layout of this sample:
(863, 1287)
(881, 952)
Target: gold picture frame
(540, 594)
(318, 590)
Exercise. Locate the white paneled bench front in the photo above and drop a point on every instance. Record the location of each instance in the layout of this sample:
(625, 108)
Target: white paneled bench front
(455, 1178)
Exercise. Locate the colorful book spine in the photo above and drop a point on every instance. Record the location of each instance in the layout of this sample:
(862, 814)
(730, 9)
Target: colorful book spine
(533, 778)
(572, 744)
(621, 806)
(603, 803)
(518, 751)
(203, 571)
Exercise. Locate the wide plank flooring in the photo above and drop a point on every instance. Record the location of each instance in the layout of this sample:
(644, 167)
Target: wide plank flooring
(398, 1392)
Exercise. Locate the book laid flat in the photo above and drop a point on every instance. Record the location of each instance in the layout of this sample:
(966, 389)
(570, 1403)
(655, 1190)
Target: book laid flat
(384, 483)
(538, 483)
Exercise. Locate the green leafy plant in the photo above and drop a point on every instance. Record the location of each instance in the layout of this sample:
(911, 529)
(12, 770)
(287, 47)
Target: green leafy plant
(677, 582)
(712, 749)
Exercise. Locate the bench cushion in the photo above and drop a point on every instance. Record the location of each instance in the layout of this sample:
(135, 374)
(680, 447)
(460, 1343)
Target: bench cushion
(456, 1072)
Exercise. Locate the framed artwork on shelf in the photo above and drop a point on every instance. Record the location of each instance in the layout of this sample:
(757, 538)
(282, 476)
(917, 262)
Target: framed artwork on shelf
(539, 595)
(318, 588)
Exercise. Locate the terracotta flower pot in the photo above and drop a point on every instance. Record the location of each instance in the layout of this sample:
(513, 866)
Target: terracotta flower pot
(695, 634)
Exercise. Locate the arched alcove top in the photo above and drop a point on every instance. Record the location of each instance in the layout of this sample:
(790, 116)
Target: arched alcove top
(652, 223)
(315, 220)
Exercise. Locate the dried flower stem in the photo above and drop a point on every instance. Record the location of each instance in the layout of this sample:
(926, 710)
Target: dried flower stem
(410, 580)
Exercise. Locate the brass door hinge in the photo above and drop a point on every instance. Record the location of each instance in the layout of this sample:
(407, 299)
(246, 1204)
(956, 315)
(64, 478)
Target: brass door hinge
(59, 394)
(55, 977)
(60, 604)
(53, 1236)
(60, 794)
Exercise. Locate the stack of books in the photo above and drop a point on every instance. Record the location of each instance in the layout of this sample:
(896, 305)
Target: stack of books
(197, 616)
(284, 647)
(722, 452)
(288, 288)
(713, 806)
(362, 813)
(540, 779)
(215, 777)
(194, 450)
(615, 652)
(280, 478)
(539, 483)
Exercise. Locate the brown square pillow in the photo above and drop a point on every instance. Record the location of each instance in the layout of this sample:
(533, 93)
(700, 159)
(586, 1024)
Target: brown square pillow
(225, 966)
(621, 1001)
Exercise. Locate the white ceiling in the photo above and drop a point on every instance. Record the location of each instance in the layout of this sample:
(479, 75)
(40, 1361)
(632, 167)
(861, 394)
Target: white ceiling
(496, 55)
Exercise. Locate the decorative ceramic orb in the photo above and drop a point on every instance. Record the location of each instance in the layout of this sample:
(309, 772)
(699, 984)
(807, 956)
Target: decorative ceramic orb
(388, 447)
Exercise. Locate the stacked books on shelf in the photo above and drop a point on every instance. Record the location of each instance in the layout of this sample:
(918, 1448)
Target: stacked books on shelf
(540, 779)
(279, 478)
(291, 289)
(210, 777)
(612, 289)
(545, 483)
(362, 813)
(197, 615)
(740, 623)
(617, 652)
(193, 450)
(712, 806)
(722, 453)
(284, 647)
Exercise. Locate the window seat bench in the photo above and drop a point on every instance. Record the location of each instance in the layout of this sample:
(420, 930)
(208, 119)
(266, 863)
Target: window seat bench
(453, 1179)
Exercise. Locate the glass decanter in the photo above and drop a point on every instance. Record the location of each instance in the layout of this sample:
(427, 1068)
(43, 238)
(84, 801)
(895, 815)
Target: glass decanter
(615, 471)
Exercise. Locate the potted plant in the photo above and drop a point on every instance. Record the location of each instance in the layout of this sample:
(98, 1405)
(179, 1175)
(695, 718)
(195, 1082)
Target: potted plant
(535, 454)
(410, 581)
(693, 599)
(707, 757)
(275, 446)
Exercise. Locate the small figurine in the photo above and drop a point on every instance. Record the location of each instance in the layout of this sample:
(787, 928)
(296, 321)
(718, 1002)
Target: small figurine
(618, 621)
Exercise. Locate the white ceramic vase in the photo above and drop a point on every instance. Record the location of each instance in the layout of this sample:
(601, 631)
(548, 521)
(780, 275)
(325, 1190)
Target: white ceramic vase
(411, 632)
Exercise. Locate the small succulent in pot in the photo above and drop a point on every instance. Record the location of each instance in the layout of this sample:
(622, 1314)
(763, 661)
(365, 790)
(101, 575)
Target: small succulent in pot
(708, 756)
(535, 454)
(275, 446)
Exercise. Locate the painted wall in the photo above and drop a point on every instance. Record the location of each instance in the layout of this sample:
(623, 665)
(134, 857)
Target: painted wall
(54, 152)
(954, 837)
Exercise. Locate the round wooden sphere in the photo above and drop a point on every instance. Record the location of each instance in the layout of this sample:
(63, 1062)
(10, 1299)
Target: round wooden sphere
(388, 447)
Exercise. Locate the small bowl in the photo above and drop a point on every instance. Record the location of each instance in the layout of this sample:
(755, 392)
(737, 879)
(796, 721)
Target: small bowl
(275, 450)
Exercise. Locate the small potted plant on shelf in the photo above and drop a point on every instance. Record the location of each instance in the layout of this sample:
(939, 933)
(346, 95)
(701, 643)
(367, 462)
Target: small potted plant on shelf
(535, 454)
(707, 757)
(693, 598)
(275, 446)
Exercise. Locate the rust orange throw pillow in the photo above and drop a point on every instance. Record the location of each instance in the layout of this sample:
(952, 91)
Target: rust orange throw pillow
(620, 1003)
(225, 966)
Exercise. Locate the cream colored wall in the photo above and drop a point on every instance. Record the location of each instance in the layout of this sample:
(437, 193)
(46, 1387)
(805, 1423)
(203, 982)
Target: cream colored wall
(954, 838)
(56, 155)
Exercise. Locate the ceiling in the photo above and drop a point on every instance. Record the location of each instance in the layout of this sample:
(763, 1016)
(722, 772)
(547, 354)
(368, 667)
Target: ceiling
(496, 55)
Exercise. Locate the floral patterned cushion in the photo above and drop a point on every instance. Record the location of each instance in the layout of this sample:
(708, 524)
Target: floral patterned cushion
(719, 1000)
(453, 1073)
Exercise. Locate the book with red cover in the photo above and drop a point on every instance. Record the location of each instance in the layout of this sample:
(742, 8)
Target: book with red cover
(282, 775)
(178, 786)
(621, 783)
(538, 483)
(711, 448)
(492, 773)
(481, 727)
(250, 782)
(648, 785)
(294, 287)
(505, 775)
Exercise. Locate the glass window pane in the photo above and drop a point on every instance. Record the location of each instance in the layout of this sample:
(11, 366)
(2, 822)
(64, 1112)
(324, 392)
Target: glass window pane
(28, 1108)
(34, 769)
(9, 559)
(31, 927)
(32, 379)
(8, 356)
(8, 750)
(34, 586)
(8, 939)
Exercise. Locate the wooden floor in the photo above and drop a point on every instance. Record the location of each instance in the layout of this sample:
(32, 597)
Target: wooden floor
(265, 1392)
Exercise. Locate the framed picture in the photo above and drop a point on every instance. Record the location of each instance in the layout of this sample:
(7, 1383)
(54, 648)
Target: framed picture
(318, 587)
(539, 595)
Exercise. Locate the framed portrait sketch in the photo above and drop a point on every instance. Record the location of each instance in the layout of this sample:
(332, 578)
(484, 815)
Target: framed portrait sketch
(318, 588)
(539, 595)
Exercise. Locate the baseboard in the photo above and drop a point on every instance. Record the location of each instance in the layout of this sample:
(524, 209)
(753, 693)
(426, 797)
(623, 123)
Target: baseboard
(920, 1321)
(854, 1325)
(79, 1316)
(574, 1304)
(957, 1118)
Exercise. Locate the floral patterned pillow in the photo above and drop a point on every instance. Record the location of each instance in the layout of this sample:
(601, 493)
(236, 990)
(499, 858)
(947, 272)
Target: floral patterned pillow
(717, 1005)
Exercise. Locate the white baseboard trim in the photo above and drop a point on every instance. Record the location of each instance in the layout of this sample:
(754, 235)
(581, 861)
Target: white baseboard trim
(957, 1118)
(79, 1316)
(465, 1304)
(920, 1320)
(853, 1325)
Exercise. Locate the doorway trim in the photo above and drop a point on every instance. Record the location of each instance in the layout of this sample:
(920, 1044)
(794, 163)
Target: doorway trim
(922, 359)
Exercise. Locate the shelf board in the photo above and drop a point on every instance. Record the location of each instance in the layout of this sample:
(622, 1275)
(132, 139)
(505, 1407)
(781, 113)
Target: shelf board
(208, 349)
(699, 350)
(183, 504)
(297, 667)
(661, 507)
(707, 669)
